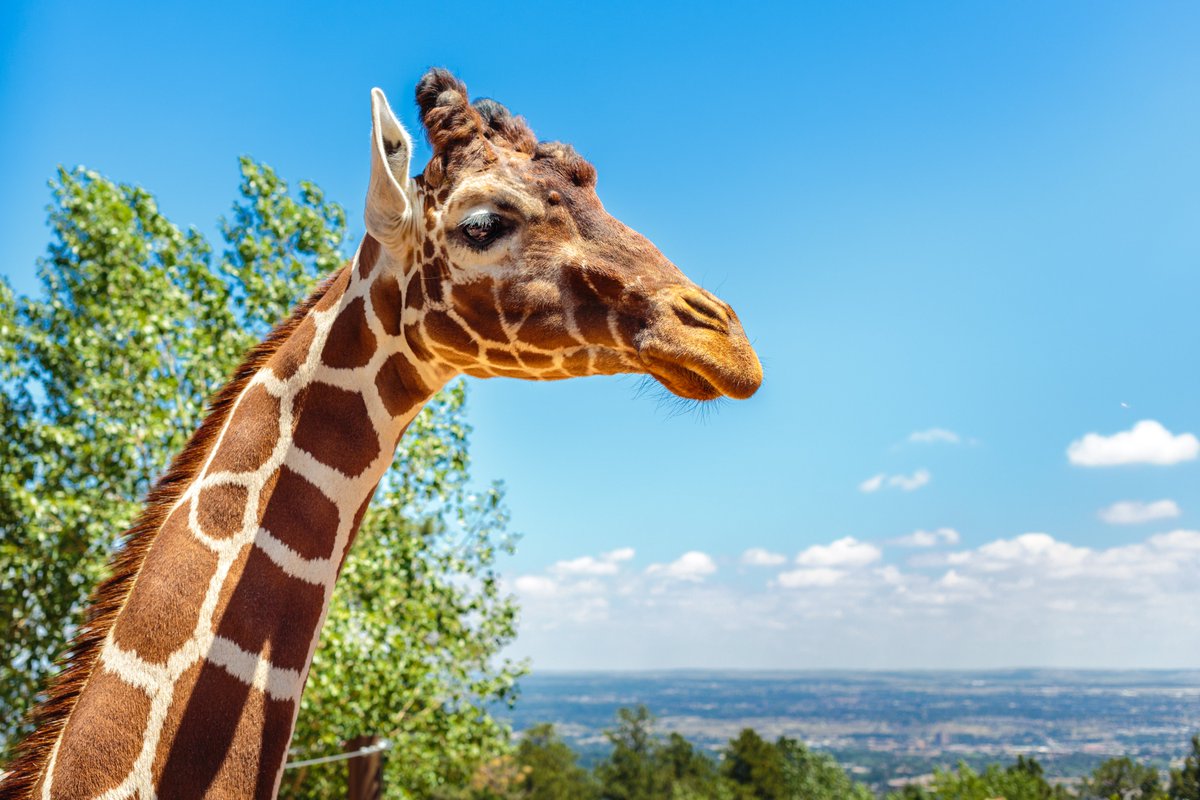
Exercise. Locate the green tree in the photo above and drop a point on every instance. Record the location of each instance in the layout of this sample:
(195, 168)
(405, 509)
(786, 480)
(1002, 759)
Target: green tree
(1023, 780)
(629, 773)
(688, 773)
(785, 770)
(550, 769)
(815, 776)
(755, 766)
(1123, 779)
(1185, 781)
(106, 371)
(104, 375)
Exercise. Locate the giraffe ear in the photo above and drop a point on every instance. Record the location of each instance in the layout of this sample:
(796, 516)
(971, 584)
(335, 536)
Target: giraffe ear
(388, 208)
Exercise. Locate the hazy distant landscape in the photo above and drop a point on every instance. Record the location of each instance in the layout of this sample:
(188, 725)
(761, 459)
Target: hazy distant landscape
(886, 726)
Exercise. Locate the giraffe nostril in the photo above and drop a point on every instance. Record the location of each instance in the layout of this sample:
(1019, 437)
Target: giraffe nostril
(699, 310)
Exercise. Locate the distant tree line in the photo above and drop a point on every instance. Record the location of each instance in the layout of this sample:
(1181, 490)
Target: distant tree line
(644, 765)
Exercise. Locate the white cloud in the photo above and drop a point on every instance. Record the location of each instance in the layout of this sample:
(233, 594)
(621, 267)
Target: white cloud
(845, 552)
(929, 538)
(872, 484)
(606, 564)
(536, 585)
(910, 482)
(620, 554)
(759, 557)
(1135, 512)
(1028, 549)
(933, 435)
(1147, 442)
(815, 576)
(1028, 599)
(1179, 541)
(691, 566)
(907, 483)
(585, 565)
(956, 588)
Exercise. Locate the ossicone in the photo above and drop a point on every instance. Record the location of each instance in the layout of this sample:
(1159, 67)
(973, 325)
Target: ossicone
(446, 111)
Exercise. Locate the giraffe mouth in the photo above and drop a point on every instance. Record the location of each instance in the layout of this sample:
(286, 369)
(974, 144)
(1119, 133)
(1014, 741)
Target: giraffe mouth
(680, 380)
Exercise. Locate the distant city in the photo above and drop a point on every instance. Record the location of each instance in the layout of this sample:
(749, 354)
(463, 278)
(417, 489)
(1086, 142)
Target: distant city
(889, 728)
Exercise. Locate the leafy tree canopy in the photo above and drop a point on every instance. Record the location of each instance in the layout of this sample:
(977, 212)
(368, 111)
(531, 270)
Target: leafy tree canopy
(1185, 781)
(1124, 779)
(104, 375)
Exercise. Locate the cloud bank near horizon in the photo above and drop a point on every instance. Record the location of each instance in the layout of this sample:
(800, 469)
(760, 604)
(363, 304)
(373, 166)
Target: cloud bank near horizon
(917, 601)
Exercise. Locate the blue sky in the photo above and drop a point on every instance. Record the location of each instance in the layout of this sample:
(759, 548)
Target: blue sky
(980, 219)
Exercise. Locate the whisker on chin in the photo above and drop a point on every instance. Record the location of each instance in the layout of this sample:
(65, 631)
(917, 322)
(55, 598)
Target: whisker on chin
(645, 387)
(676, 406)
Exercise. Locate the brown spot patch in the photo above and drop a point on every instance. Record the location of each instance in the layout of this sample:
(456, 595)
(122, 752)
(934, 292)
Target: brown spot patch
(221, 738)
(335, 428)
(501, 358)
(350, 343)
(301, 516)
(335, 291)
(509, 373)
(536, 360)
(547, 329)
(416, 342)
(368, 255)
(427, 248)
(578, 362)
(292, 354)
(357, 523)
(219, 509)
(400, 385)
(592, 321)
(591, 309)
(387, 302)
(103, 738)
(442, 328)
(629, 327)
(454, 358)
(607, 288)
(415, 295)
(476, 303)
(163, 608)
(264, 610)
(609, 363)
(433, 277)
(251, 435)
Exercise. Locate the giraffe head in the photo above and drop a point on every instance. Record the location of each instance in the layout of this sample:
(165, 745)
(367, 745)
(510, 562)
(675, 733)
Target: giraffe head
(509, 265)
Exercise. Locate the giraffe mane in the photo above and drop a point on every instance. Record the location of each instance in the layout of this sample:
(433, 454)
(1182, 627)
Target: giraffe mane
(511, 131)
(49, 717)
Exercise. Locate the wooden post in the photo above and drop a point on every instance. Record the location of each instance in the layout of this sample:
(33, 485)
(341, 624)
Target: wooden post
(365, 772)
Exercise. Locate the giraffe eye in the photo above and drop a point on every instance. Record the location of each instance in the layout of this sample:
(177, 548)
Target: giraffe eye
(483, 228)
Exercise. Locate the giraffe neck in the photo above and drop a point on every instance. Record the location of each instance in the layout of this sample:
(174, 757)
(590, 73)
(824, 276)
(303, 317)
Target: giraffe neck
(195, 689)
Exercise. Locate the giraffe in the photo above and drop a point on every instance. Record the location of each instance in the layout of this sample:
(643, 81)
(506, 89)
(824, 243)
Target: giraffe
(497, 260)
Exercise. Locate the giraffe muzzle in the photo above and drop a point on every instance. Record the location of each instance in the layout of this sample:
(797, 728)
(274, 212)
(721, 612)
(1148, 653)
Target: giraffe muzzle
(695, 347)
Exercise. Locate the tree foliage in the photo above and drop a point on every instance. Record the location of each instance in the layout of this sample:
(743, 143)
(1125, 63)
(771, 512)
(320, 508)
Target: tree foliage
(550, 769)
(647, 765)
(104, 375)
(1123, 779)
(1185, 781)
(1023, 780)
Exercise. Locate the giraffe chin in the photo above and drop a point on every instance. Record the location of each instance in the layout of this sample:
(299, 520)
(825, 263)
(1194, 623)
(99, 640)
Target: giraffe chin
(681, 381)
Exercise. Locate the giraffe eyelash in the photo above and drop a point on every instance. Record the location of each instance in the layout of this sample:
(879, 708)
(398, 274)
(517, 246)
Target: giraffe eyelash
(479, 230)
